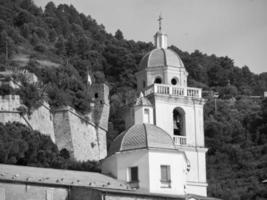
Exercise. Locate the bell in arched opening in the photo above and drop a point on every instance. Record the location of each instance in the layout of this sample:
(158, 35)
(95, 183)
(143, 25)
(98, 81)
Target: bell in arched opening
(178, 122)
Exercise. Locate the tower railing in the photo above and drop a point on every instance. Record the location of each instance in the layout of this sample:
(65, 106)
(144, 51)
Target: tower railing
(173, 91)
(179, 140)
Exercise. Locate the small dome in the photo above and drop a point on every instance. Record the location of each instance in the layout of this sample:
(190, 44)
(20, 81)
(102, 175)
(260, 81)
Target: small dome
(142, 136)
(161, 57)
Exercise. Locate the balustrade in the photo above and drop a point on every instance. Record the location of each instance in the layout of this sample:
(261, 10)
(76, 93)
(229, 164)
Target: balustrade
(173, 91)
(179, 140)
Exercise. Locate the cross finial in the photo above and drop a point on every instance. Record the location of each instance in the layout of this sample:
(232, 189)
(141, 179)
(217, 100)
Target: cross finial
(160, 19)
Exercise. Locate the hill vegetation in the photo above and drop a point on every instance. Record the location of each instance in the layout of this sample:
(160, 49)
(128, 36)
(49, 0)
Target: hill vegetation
(235, 128)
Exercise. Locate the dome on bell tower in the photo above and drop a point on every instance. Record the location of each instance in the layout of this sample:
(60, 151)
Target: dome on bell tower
(161, 57)
(161, 65)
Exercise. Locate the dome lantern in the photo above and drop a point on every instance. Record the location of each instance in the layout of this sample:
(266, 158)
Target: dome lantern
(160, 38)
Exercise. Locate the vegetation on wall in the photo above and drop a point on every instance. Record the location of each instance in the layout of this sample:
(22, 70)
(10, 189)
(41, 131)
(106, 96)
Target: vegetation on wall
(235, 133)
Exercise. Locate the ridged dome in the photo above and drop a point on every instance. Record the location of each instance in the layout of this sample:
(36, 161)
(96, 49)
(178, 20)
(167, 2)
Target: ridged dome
(142, 136)
(161, 57)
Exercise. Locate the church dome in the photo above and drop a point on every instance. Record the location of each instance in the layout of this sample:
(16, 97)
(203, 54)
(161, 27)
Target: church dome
(161, 57)
(142, 136)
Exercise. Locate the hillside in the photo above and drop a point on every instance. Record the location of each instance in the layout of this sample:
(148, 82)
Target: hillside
(62, 46)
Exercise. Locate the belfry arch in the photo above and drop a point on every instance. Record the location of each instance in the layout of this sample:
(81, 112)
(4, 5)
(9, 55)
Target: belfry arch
(179, 122)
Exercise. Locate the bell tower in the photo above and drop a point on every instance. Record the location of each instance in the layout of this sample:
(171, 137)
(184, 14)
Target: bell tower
(178, 109)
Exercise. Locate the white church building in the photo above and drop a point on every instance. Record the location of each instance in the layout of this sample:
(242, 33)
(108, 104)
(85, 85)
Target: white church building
(162, 150)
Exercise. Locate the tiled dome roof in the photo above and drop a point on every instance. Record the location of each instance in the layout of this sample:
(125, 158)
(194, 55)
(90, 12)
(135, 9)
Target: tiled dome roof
(161, 57)
(142, 136)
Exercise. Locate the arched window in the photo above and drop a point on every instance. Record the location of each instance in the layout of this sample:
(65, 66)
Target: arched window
(178, 122)
(146, 116)
(158, 80)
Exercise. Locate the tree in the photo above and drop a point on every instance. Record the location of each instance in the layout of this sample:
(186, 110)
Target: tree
(60, 46)
(119, 35)
(50, 9)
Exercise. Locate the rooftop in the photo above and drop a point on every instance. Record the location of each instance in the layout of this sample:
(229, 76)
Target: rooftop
(160, 58)
(59, 177)
(142, 136)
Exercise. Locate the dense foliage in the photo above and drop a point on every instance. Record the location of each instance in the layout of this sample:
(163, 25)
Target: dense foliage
(237, 158)
(22, 146)
(235, 133)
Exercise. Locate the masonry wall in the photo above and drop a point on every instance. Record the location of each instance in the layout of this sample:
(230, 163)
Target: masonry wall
(79, 136)
(8, 109)
(40, 119)
(100, 113)
(83, 136)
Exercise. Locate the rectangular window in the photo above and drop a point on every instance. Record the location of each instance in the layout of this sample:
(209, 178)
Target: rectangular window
(134, 174)
(133, 177)
(146, 116)
(165, 175)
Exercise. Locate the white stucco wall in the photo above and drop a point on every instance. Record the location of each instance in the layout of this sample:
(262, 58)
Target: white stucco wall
(164, 106)
(165, 73)
(196, 177)
(177, 164)
(196, 188)
(123, 161)
(194, 127)
(137, 158)
(109, 166)
(149, 172)
(139, 115)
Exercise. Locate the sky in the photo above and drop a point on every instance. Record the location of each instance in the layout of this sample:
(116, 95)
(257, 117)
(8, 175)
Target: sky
(233, 28)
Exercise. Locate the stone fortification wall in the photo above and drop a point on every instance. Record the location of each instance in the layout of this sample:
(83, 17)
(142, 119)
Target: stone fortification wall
(102, 138)
(62, 130)
(100, 113)
(78, 135)
(8, 109)
(9, 102)
(39, 120)
(83, 136)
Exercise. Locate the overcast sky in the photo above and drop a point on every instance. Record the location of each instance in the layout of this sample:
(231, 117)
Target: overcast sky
(234, 28)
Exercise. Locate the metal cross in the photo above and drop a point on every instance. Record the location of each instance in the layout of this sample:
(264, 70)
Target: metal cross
(160, 19)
